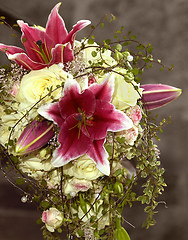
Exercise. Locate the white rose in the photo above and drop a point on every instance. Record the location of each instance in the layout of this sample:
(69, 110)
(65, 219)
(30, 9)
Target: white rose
(8, 121)
(52, 218)
(83, 168)
(35, 167)
(37, 84)
(74, 185)
(124, 94)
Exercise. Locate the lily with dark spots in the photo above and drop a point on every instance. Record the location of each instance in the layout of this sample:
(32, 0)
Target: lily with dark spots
(45, 46)
(84, 119)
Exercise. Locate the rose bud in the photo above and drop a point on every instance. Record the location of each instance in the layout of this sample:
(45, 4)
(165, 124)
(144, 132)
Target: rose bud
(34, 136)
(157, 95)
(52, 218)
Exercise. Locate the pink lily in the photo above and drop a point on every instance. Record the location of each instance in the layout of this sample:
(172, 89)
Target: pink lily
(34, 136)
(157, 95)
(84, 119)
(45, 47)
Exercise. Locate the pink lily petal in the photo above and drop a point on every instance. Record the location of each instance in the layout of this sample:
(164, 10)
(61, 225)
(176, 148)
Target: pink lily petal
(55, 26)
(68, 53)
(104, 90)
(22, 59)
(10, 49)
(57, 54)
(74, 102)
(30, 37)
(73, 143)
(107, 118)
(51, 112)
(100, 156)
(77, 27)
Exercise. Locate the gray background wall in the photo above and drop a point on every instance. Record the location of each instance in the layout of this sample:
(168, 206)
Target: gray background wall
(164, 24)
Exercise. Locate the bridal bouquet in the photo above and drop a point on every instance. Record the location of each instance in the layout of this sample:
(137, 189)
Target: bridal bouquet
(76, 133)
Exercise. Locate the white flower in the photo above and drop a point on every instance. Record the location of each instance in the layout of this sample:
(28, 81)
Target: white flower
(39, 83)
(74, 185)
(52, 218)
(7, 121)
(35, 167)
(82, 168)
(125, 94)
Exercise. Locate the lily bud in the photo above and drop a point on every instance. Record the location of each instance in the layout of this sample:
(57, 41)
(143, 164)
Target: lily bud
(34, 136)
(120, 233)
(157, 95)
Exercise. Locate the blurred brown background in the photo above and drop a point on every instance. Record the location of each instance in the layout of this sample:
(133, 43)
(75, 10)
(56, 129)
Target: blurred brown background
(164, 24)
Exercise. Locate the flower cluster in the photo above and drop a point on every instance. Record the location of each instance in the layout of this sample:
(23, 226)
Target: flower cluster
(71, 119)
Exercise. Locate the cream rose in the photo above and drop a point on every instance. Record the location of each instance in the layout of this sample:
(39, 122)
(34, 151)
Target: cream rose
(125, 94)
(83, 168)
(38, 83)
(8, 121)
(74, 185)
(35, 167)
(52, 218)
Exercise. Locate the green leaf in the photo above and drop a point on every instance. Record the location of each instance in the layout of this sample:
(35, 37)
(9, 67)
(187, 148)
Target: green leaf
(93, 54)
(39, 221)
(135, 71)
(14, 159)
(102, 25)
(150, 49)
(59, 230)
(90, 41)
(80, 233)
(118, 47)
(19, 181)
(44, 204)
(44, 183)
